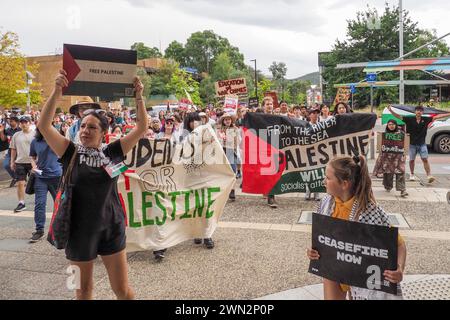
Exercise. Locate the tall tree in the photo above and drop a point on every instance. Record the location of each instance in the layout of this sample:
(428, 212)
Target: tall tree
(202, 49)
(144, 52)
(12, 73)
(176, 51)
(279, 70)
(366, 43)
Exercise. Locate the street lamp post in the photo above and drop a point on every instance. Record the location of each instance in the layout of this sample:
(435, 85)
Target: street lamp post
(256, 81)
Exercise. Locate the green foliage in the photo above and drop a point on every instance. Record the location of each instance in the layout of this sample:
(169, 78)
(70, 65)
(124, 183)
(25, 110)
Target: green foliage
(371, 44)
(12, 73)
(144, 52)
(176, 52)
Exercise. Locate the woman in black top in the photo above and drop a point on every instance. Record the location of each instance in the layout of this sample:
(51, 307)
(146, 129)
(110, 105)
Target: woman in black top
(98, 219)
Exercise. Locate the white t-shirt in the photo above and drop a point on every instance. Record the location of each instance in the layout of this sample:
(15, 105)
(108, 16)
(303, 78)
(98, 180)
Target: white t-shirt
(21, 141)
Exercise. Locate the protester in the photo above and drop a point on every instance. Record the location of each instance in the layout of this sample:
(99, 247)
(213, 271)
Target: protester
(417, 127)
(390, 164)
(98, 219)
(167, 129)
(77, 110)
(341, 108)
(6, 134)
(313, 120)
(267, 104)
(47, 173)
(117, 131)
(350, 197)
(111, 121)
(229, 139)
(304, 112)
(298, 113)
(284, 109)
(206, 119)
(63, 129)
(20, 158)
(324, 112)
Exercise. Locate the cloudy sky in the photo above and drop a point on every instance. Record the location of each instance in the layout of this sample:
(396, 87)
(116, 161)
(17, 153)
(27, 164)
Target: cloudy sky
(292, 31)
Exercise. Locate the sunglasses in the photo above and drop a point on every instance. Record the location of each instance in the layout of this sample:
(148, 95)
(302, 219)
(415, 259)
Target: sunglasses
(97, 111)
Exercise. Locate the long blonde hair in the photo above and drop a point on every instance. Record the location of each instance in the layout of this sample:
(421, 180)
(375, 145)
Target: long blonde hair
(355, 170)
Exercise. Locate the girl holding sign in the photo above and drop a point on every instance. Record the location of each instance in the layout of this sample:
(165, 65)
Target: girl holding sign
(391, 161)
(350, 197)
(97, 217)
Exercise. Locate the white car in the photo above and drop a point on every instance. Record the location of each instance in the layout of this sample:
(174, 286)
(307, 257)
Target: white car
(438, 135)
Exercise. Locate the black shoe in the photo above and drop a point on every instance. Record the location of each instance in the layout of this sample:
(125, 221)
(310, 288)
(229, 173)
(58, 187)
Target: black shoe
(159, 254)
(20, 207)
(232, 195)
(209, 243)
(271, 202)
(36, 236)
(238, 175)
(13, 183)
(197, 241)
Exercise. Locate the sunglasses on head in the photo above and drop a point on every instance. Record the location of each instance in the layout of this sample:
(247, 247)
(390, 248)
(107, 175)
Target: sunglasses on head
(97, 111)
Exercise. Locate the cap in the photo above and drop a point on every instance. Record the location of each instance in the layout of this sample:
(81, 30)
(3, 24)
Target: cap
(202, 114)
(25, 119)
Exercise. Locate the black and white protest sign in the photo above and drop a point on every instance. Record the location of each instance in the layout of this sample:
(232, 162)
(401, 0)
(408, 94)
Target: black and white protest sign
(353, 253)
(101, 72)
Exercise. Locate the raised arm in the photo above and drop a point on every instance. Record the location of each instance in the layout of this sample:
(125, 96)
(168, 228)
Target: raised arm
(54, 139)
(131, 139)
(441, 116)
(394, 113)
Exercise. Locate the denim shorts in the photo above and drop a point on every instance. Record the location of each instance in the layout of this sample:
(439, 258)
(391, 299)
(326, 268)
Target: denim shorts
(415, 149)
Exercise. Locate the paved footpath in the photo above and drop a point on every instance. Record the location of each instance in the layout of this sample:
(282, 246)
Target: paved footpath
(259, 253)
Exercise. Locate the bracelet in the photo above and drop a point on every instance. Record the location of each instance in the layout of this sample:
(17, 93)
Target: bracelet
(139, 99)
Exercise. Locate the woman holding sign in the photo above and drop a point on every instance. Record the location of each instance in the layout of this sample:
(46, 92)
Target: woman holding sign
(98, 220)
(391, 160)
(350, 197)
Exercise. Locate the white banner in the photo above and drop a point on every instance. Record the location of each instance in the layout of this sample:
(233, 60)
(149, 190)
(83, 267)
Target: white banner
(174, 193)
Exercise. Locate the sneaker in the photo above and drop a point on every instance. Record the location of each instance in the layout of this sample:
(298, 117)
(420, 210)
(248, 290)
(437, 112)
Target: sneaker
(387, 190)
(412, 178)
(13, 183)
(209, 243)
(20, 207)
(238, 175)
(271, 202)
(404, 194)
(232, 195)
(431, 179)
(36, 236)
(197, 241)
(159, 255)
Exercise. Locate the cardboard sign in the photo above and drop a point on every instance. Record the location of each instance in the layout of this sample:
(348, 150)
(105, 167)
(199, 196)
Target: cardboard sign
(100, 72)
(253, 102)
(231, 87)
(230, 105)
(393, 143)
(342, 95)
(353, 253)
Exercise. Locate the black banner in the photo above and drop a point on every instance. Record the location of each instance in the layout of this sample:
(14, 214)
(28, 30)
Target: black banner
(353, 253)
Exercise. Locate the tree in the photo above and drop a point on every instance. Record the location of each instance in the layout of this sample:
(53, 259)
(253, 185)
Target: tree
(12, 73)
(296, 91)
(144, 52)
(365, 43)
(222, 69)
(279, 70)
(202, 49)
(170, 79)
(176, 52)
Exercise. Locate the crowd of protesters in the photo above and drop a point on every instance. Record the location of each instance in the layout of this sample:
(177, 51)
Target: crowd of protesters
(34, 141)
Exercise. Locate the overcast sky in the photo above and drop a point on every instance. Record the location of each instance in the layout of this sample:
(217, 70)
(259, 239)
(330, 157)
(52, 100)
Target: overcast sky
(291, 31)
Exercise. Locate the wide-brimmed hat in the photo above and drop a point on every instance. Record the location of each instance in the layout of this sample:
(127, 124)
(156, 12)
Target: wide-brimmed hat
(224, 116)
(85, 103)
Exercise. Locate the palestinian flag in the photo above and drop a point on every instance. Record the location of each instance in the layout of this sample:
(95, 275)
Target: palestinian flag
(283, 155)
(408, 111)
(100, 72)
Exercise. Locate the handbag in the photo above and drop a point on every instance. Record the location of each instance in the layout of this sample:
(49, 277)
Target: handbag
(29, 189)
(59, 231)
